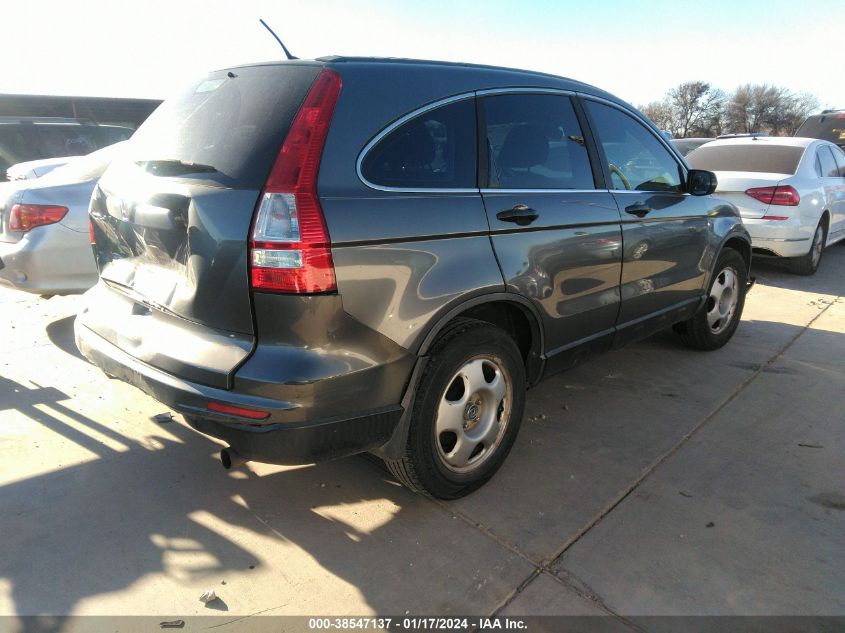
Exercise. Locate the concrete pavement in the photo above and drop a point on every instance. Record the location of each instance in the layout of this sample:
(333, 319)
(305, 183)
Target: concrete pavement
(605, 505)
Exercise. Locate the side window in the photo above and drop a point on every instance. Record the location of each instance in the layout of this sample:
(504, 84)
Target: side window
(818, 165)
(829, 168)
(636, 159)
(534, 142)
(435, 150)
(840, 160)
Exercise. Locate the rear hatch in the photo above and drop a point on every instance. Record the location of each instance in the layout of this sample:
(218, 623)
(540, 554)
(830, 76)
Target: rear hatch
(171, 219)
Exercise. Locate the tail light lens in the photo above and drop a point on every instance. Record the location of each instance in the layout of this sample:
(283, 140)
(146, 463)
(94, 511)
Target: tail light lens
(290, 248)
(782, 195)
(91, 233)
(24, 217)
(242, 412)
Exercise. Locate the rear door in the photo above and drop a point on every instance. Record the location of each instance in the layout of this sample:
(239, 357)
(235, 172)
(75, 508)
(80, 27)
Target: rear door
(172, 214)
(556, 235)
(835, 192)
(664, 230)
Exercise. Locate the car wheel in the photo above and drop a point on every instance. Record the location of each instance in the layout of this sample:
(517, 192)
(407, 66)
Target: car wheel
(808, 264)
(715, 323)
(466, 413)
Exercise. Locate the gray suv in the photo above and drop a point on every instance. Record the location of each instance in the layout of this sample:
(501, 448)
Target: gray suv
(311, 259)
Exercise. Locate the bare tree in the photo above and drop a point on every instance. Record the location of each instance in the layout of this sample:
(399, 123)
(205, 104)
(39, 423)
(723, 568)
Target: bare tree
(661, 113)
(696, 106)
(766, 108)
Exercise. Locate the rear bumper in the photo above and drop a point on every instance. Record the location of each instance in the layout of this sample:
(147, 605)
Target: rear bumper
(48, 260)
(784, 238)
(283, 438)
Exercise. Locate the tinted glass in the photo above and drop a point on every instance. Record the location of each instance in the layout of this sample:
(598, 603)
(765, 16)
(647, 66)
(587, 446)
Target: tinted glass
(829, 127)
(840, 160)
(229, 127)
(535, 142)
(759, 158)
(435, 150)
(829, 168)
(636, 158)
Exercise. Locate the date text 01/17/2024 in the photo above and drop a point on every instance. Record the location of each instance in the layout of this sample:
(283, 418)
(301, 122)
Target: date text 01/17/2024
(417, 623)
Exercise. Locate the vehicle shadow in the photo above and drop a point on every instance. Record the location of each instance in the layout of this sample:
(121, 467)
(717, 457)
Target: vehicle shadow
(166, 506)
(61, 335)
(829, 279)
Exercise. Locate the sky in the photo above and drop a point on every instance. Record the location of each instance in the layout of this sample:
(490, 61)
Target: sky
(635, 49)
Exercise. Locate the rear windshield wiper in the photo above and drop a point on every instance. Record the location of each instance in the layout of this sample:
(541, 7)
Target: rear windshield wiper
(174, 167)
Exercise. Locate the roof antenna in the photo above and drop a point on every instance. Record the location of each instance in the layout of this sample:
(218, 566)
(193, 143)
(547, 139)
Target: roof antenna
(284, 48)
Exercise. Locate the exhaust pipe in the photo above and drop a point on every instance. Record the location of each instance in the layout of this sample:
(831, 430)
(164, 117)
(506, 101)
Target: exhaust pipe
(231, 458)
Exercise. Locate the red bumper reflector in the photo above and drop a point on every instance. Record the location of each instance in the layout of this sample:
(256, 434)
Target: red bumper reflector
(242, 412)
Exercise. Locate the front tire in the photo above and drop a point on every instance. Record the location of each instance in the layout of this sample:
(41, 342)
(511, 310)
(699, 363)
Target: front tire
(808, 264)
(715, 323)
(467, 411)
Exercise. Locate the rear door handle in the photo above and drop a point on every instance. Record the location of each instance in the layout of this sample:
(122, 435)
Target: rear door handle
(638, 209)
(522, 214)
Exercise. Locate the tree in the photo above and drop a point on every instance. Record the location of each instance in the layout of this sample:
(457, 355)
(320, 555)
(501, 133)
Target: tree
(766, 108)
(696, 107)
(692, 109)
(661, 113)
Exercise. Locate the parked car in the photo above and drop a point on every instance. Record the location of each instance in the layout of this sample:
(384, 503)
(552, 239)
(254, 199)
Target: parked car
(307, 266)
(30, 138)
(45, 245)
(31, 169)
(743, 135)
(790, 191)
(686, 145)
(828, 126)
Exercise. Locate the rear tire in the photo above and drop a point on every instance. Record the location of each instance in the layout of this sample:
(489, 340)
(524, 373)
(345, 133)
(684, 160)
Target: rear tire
(467, 411)
(716, 321)
(808, 264)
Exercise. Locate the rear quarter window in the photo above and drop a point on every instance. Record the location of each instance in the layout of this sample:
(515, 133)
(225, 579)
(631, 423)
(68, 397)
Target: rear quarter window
(434, 150)
(768, 159)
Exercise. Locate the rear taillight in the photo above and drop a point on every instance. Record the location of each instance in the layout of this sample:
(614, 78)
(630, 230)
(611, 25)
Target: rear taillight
(241, 412)
(24, 217)
(782, 195)
(91, 232)
(290, 248)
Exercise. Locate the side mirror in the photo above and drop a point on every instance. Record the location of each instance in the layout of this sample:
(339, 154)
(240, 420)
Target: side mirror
(701, 182)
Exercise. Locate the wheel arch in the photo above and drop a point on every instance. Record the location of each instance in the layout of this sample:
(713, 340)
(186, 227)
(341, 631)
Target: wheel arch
(501, 309)
(513, 313)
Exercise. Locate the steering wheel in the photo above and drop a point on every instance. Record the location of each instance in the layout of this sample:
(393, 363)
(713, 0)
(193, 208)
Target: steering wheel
(615, 170)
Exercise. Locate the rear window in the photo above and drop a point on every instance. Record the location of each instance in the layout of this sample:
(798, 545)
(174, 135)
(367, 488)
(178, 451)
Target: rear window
(769, 159)
(226, 128)
(830, 127)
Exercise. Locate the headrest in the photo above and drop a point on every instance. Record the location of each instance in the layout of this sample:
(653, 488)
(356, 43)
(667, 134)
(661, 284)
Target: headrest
(525, 146)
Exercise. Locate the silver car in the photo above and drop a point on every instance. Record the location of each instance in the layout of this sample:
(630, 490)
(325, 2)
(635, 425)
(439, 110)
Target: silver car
(45, 243)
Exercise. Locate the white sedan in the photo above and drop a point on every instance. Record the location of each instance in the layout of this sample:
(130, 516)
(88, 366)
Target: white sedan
(790, 192)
